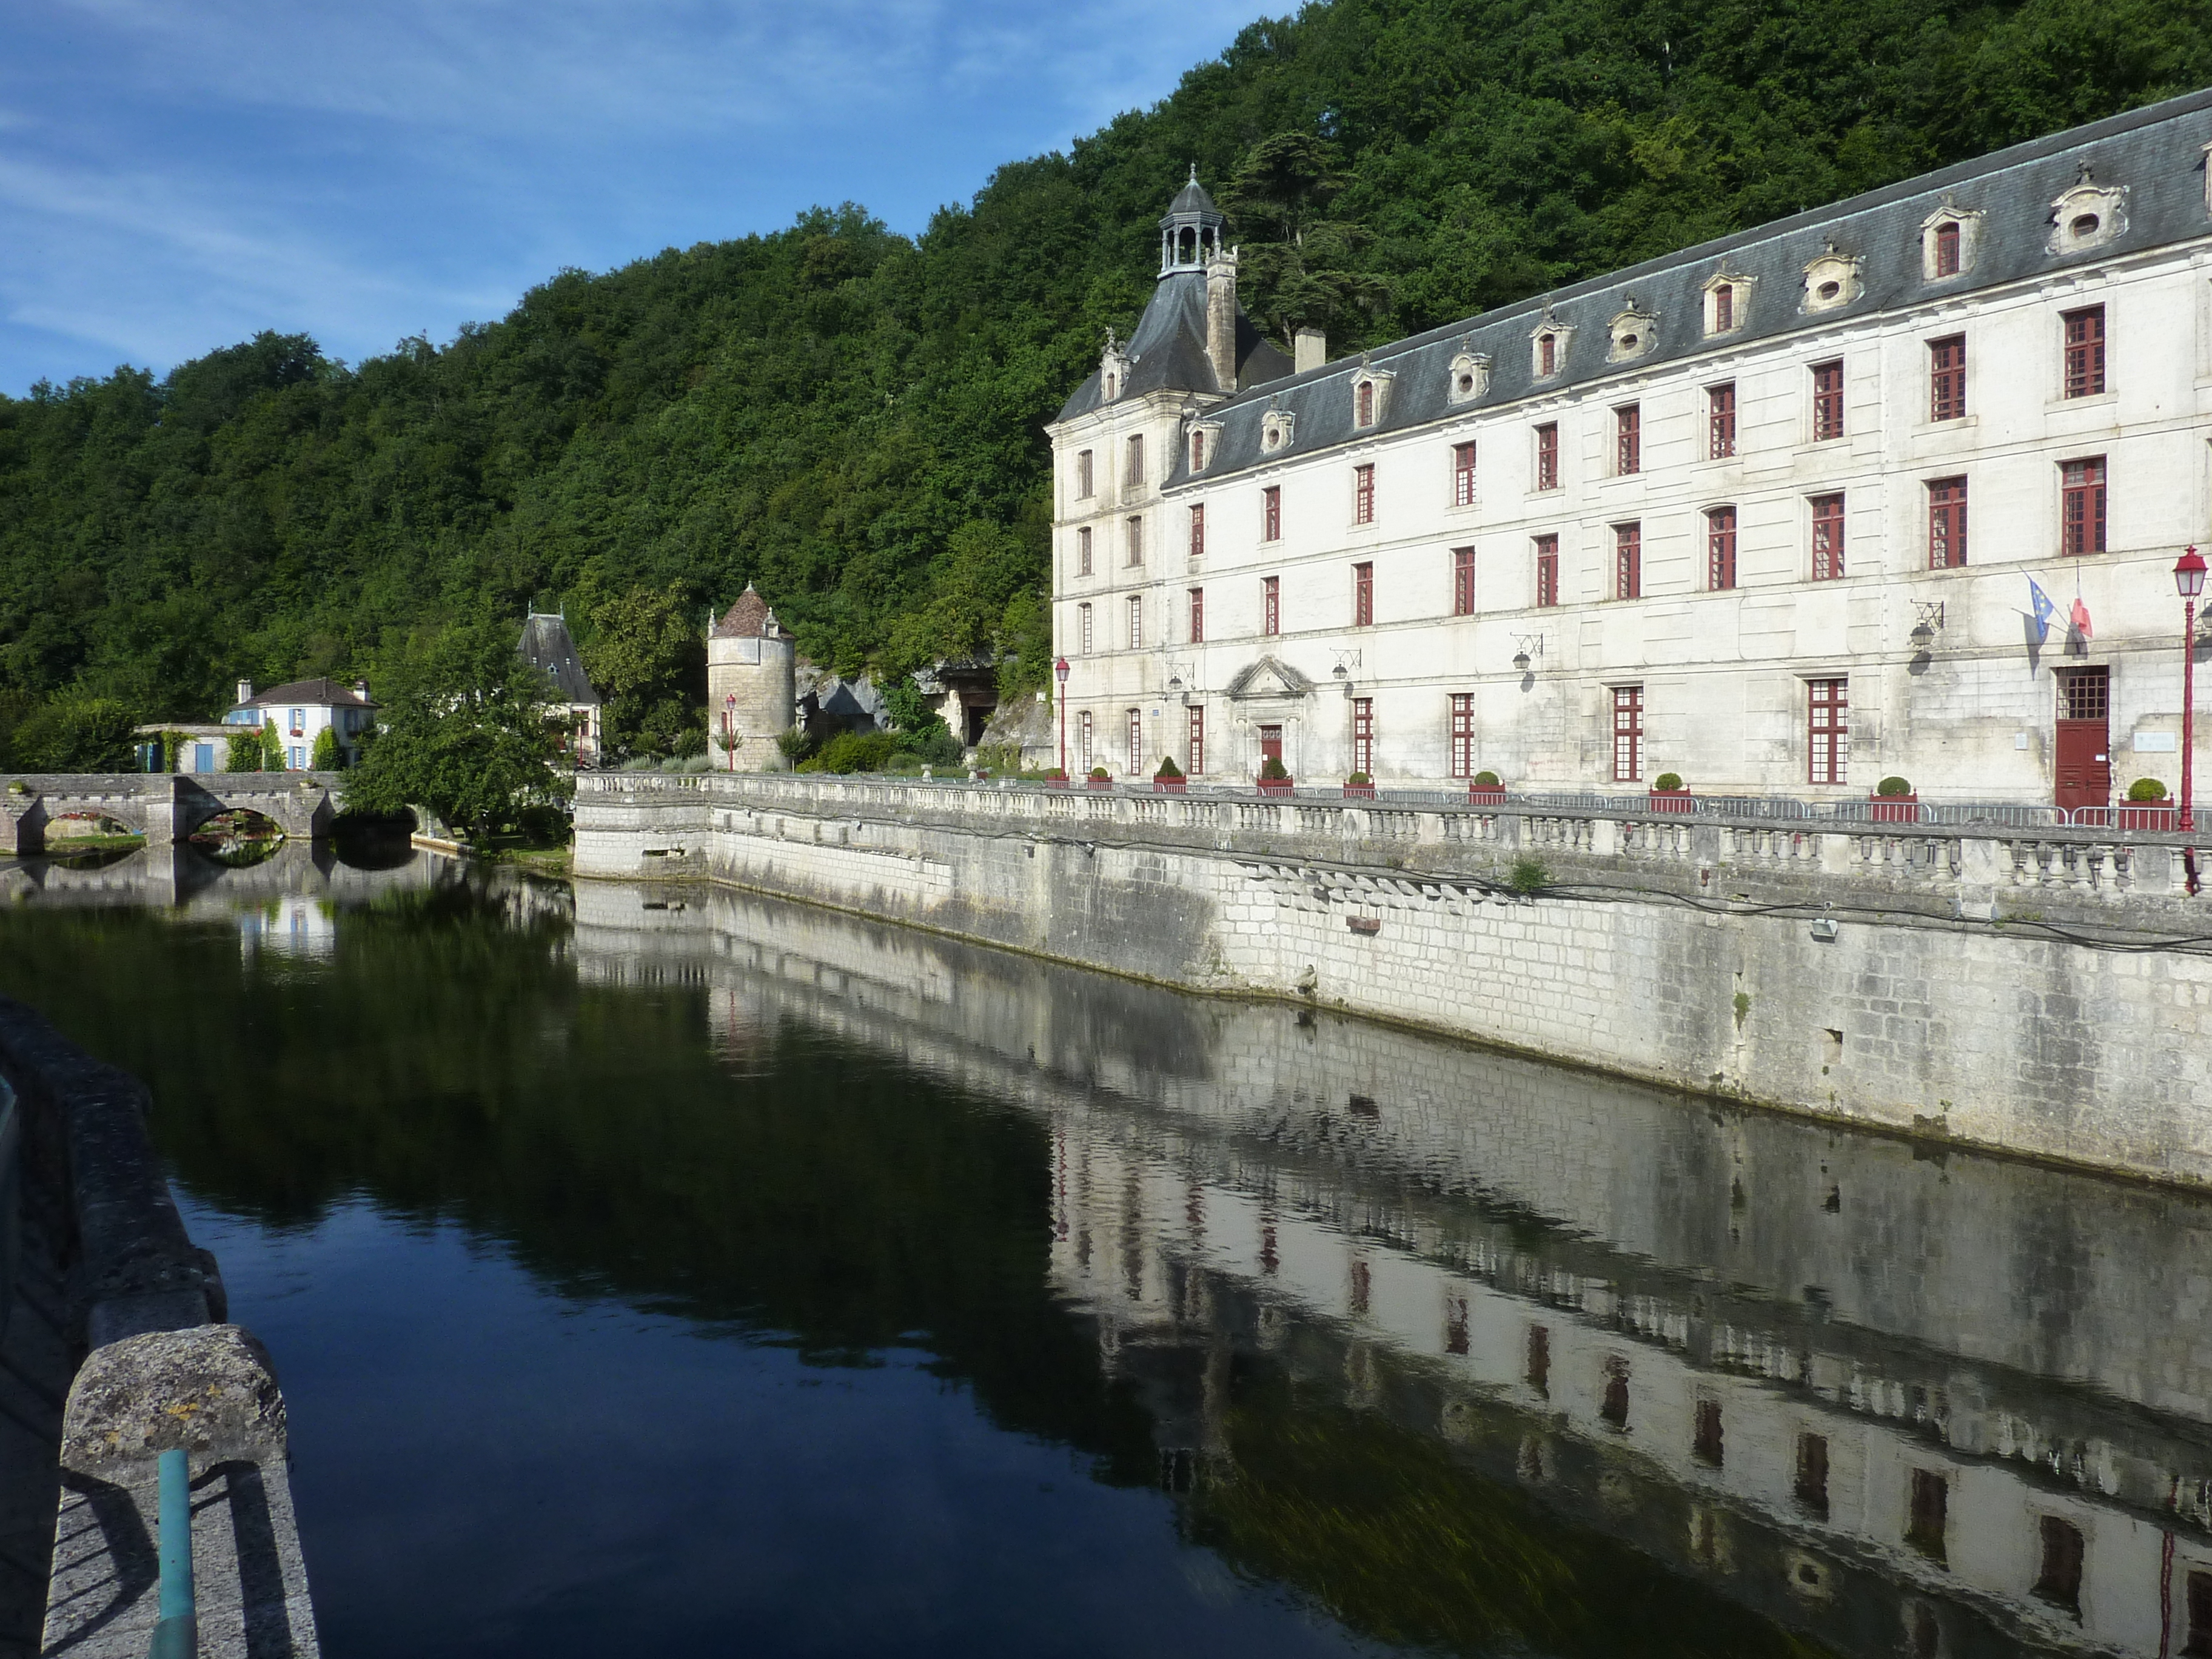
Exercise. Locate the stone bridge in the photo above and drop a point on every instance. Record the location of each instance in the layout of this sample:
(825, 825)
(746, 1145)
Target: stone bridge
(164, 806)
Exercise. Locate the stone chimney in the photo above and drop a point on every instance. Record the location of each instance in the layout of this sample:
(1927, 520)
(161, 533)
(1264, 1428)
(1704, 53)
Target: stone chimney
(246, 690)
(361, 690)
(1310, 346)
(1221, 318)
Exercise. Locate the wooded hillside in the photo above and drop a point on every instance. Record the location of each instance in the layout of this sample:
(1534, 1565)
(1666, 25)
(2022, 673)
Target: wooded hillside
(852, 419)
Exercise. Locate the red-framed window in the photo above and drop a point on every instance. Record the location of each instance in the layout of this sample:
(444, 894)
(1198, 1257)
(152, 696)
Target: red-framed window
(1197, 738)
(1198, 451)
(1463, 475)
(1828, 537)
(1720, 549)
(1367, 402)
(2084, 351)
(1136, 622)
(1136, 743)
(1720, 421)
(1627, 733)
(1947, 248)
(1083, 628)
(1547, 570)
(1947, 377)
(1198, 615)
(1947, 524)
(1828, 731)
(1197, 529)
(1462, 734)
(1828, 401)
(1628, 439)
(1547, 354)
(2081, 506)
(1363, 493)
(1462, 581)
(1724, 307)
(1363, 735)
(1083, 551)
(1134, 471)
(1548, 456)
(1135, 528)
(1628, 562)
(1271, 605)
(1271, 514)
(1363, 595)
(1084, 486)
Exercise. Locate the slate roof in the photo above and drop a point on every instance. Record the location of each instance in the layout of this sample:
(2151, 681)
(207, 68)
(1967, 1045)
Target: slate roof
(546, 646)
(1192, 198)
(1168, 351)
(748, 619)
(306, 693)
(2157, 153)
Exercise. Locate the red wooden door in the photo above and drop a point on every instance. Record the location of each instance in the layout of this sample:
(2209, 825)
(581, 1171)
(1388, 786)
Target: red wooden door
(2083, 751)
(1271, 742)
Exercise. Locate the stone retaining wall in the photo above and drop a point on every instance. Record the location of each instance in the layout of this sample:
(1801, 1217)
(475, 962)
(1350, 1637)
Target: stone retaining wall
(2020, 990)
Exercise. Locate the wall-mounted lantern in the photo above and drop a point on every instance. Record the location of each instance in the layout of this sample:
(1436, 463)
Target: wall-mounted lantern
(1531, 647)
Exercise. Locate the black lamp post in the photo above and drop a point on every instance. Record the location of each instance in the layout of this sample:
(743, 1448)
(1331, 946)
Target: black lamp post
(2188, 582)
(1060, 673)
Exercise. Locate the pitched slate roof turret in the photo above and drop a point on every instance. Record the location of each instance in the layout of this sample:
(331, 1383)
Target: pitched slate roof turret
(749, 618)
(546, 646)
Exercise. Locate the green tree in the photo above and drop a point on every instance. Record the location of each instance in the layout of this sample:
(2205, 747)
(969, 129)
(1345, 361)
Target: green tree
(330, 753)
(81, 734)
(468, 732)
(1302, 270)
(648, 663)
(242, 751)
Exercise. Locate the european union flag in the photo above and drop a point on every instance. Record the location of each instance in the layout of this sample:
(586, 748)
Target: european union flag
(2045, 610)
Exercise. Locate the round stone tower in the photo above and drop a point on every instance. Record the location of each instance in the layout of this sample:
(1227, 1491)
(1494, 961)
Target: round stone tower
(750, 701)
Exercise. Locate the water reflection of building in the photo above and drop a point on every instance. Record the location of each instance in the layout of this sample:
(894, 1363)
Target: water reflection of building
(294, 925)
(1905, 1403)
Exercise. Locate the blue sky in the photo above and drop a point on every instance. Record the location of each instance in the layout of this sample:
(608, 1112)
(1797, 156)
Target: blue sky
(177, 174)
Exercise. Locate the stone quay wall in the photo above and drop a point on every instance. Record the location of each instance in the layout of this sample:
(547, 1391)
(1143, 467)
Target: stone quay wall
(143, 1314)
(2034, 989)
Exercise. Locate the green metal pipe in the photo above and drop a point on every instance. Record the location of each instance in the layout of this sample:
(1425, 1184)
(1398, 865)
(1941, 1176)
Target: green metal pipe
(177, 1631)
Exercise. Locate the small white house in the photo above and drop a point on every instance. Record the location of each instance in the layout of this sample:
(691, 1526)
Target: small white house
(301, 709)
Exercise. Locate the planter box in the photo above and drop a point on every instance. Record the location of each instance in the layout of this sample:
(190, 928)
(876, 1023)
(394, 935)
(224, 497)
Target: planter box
(1670, 800)
(1277, 786)
(1485, 796)
(1098, 783)
(1170, 785)
(1894, 809)
(2147, 815)
(1057, 783)
(1360, 792)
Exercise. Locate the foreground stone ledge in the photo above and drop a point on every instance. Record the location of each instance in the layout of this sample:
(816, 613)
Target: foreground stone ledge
(209, 1391)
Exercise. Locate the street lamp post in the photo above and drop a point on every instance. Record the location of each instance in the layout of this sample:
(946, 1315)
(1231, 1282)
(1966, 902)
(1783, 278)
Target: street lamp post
(730, 728)
(2188, 582)
(1060, 673)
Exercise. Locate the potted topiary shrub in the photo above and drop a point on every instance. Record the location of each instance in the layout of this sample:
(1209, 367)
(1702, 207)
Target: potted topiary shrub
(2147, 807)
(1169, 780)
(1273, 780)
(1100, 778)
(1359, 786)
(1056, 778)
(1894, 802)
(1669, 793)
(1483, 789)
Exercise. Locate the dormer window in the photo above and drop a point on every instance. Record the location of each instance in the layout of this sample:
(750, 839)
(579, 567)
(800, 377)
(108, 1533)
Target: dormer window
(1275, 429)
(1950, 238)
(1635, 331)
(1370, 389)
(1548, 346)
(1728, 301)
(1470, 376)
(1113, 370)
(1205, 444)
(1832, 280)
(2088, 216)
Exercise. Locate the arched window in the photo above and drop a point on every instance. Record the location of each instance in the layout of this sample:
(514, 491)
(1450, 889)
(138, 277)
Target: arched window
(1947, 248)
(1547, 354)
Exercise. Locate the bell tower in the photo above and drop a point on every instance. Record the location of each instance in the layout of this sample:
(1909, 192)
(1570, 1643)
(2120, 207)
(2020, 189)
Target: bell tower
(1191, 236)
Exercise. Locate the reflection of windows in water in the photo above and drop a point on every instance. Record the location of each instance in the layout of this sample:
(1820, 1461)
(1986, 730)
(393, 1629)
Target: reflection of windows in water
(1931, 1498)
(1269, 1260)
(1532, 1458)
(1455, 1325)
(1706, 1445)
(1361, 1282)
(1812, 1487)
(2058, 1579)
(1615, 1409)
(1540, 1360)
(1178, 1469)
(1923, 1636)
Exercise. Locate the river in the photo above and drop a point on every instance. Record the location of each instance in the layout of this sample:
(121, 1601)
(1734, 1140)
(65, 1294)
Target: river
(675, 1270)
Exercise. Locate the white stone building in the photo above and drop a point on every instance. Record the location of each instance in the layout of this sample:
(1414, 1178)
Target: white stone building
(1764, 512)
(300, 710)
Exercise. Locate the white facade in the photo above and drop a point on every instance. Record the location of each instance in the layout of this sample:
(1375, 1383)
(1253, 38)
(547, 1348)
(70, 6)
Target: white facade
(1742, 682)
(302, 711)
